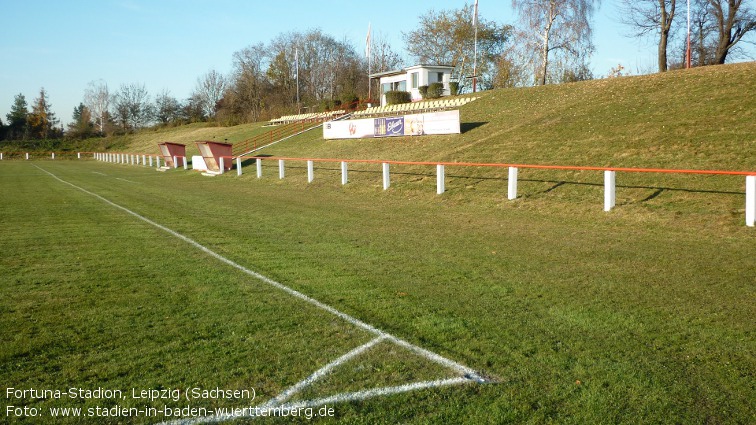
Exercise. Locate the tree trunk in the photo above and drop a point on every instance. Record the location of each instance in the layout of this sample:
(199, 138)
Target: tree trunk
(663, 51)
(544, 58)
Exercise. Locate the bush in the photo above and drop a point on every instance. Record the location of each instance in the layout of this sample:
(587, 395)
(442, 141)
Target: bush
(435, 90)
(423, 91)
(396, 97)
(454, 88)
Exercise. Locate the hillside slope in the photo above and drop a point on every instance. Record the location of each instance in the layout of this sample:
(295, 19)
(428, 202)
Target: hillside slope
(699, 118)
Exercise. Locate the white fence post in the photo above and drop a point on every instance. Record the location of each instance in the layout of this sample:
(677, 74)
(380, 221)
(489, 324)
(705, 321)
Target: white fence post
(186, 164)
(222, 165)
(53, 155)
(440, 186)
(175, 161)
(281, 171)
(386, 176)
(238, 166)
(78, 155)
(609, 190)
(310, 172)
(343, 172)
(1, 156)
(157, 158)
(750, 200)
(512, 183)
(150, 160)
(144, 160)
(27, 155)
(259, 167)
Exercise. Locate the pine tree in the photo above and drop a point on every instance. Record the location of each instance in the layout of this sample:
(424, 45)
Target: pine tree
(42, 120)
(17, 127)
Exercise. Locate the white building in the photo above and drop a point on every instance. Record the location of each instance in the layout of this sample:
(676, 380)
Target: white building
(410, 79)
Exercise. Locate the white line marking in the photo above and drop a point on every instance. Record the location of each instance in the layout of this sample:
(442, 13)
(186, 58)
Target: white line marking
(323, 371)
(94, 172)
(376, 392)
(337, 398)
(469, 374)
(118, 178)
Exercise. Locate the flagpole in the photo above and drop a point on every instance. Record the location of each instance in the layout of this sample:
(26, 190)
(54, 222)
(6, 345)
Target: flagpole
(475, 53)
(687, 51)
(296, 64)
(367, 53)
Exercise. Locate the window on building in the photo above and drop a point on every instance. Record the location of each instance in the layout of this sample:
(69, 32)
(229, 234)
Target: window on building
(415, 79)
(440, 77)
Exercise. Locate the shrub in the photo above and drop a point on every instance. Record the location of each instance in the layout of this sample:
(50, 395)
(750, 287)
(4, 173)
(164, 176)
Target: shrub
(423, 91)
(396, 97)
(454, 88)
(435, 90)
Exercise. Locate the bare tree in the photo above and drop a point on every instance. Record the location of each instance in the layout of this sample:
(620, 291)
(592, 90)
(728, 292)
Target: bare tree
(209, 91)
(167, 108)
(651, 17)
(734, 19)
(554, 27)
(382, 56)
(244, 96)
(97, 100)
(132, 106)
(447, 38)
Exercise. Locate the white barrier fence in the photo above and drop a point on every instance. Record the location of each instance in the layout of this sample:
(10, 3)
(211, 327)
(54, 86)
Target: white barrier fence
(610, 174)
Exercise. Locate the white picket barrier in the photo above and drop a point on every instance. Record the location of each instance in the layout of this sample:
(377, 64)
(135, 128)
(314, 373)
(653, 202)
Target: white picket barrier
(512, 183)
(440, 183)
(310, 171)
(386, 176)
(610, 190)
(281, 170)
(343, 173)
(750, 200)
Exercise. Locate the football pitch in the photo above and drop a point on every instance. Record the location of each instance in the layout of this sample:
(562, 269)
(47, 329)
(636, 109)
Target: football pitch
(132, 296)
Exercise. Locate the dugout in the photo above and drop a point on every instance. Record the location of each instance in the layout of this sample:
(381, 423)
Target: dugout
(169, 150)
(212, 152)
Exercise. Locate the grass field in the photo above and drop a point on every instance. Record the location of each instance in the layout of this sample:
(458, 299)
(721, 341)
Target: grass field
(120, 277)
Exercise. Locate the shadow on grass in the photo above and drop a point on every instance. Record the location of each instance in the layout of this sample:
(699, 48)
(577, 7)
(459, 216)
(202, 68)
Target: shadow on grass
(467, 126)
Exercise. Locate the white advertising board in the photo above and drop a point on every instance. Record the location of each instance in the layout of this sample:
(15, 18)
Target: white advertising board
(445, 122)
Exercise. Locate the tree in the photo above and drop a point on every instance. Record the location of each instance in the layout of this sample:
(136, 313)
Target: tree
(651, 17)
(133, 109)
(209, 91)
(82, 125)
(555, 31)
(243, 98)
(17, 125)
(733, 21)
(167, 108)
(447, 38)
(382, 57)
(97, 99)
(42, 120)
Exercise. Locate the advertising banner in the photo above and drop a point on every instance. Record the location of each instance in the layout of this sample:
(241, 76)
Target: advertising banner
(444, 122)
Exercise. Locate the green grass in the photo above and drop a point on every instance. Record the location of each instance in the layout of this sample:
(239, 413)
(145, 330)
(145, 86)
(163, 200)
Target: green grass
(640, 315)
(580, 318)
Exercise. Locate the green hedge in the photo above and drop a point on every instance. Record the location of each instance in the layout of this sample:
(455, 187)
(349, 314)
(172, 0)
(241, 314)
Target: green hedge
(435, 90)
(423, 91)
(453, 88)
(397, 97)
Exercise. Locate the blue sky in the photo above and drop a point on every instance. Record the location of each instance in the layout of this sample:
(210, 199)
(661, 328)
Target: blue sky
(168, 44)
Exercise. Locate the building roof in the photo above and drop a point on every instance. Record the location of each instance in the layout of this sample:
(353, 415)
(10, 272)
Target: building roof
(404, 70)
